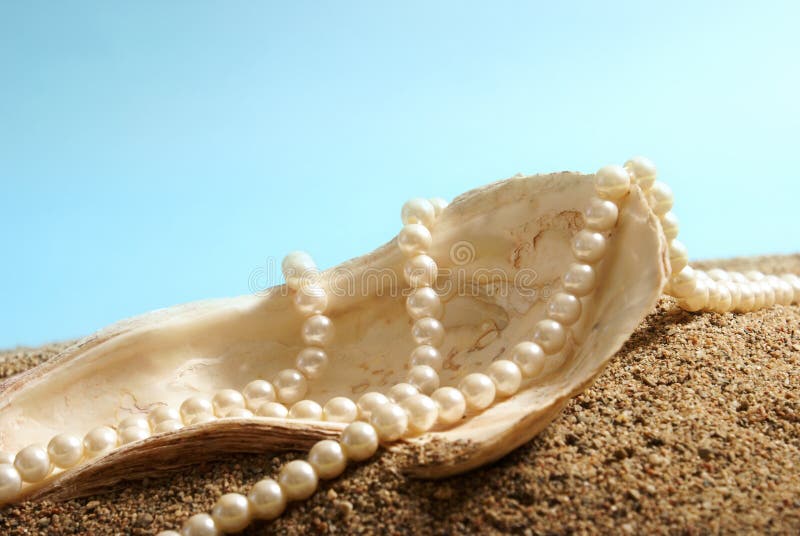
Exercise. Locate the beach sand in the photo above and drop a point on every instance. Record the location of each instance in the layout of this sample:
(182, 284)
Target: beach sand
(694, 428)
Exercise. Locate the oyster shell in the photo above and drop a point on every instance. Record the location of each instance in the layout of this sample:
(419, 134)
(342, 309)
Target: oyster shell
(501, 249)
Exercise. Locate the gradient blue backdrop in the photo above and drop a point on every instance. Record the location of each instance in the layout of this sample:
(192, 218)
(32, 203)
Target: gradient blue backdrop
(159, 152)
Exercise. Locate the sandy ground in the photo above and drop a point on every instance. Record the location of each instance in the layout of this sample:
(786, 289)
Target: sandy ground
(693, 429)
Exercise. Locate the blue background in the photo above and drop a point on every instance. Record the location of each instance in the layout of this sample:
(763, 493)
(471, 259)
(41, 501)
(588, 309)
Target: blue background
(153, 153)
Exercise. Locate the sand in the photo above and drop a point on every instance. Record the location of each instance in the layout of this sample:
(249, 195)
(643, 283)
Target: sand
(693, 429)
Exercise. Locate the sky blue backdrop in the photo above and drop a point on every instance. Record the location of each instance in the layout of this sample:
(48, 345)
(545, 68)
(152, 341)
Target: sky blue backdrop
(159, 152)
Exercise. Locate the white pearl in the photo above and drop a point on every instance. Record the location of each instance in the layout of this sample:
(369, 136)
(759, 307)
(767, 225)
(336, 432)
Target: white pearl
(317, 330)
(231, 513)
(747, 301)
(683, 283)
(697, 299)
(267, 500)
(312, 362)
(579, 279)
(200, 525)
(754, 275)
(794, 281)
(421, 411)
(758, 295)
(390, 421)
(426, 355)
(414, 239)
(359, 441)
(529, 357)
(724, 300)
(450, 403)
(401, 391)
(10, 482)
(422, 302)
(478, 390)
(65, 450)
(298, 266)
(132, 434)
(718, 274)
(340, 409)
(736, 294)
(237, 413)
(424, 378)
(678, 256)
(642, 170)
(550, 335)
(428, 331)
(439, 205)
(506, 377)
(369, 402)
(33, 463)
(226, 400)
(612, 182)
(564, 308)
(713, 295)
(588, 246)
(784, 293)
(328, 459)
(670, 225)
(99, 441)
(738, 277)
(165, 427)
(290, 386)
(418, 210)
(306, 409)
(161, 414)
(769, 293)
(601, 214)
(298, 480)
(257, 392)
(134, 420)
(661, 198)
(420, 271)
(272, 409)
(311, 300)
(194, 407)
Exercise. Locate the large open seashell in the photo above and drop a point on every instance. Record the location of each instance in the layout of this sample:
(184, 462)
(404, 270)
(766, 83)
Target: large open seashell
(501, 249)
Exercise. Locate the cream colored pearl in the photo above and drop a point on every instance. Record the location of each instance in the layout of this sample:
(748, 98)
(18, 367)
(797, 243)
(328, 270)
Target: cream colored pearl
(738, 277)
(390, 421)
(418, 210)
(161, 414)
(424, 378)
(564, 308)
(612, 182)
(194, 407)
(267, 500)
(306, 409)
(420, 271)
(165, 427)
(550, 335)
(478, 390)
(65, 450)
(369, 402)
(422, 412)
(529, 357)
(783, 290)
(506, 377)
(10, 482)
(747, 301)
(272, 409)
(427, 355)
(298, 266)
(401, 391)
(328, 459)
(588, 246)
(670, 225)
(317, 330)
(226, 400)
(340, 409)
(723, 298)
(794, 282)
(718, 274)
(439, 205)
(33, 463)
(200, 525)
(579, 279)
(759, 299)
(232, 513)
(312, 362)
(298, 480)
(683, 283)
(754, 275)
(713, 294)
(134, 420)
(428, 331)
(661, 198)
(310, 300)
(414, 239)
(290, 386)
(6, 458)
(678, 256)
(736, 294)
(132, 434)
(601, 214)
(642, 170)
(422, 302)
(99, 441)
(238, 413)
(450, 404)
(254, 393)
(769, 293)
(698, 299)
(359, 441)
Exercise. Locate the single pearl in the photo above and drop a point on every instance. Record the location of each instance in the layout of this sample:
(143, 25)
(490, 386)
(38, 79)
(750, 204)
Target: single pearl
(422, 302)
(33, 463)
(134, 420)
(661, 198)
(506, 377)
(390, 421)
(783, 290)
(193, 407)
(328, 459)
(165, 427)
(422, 412)
(232, 513)
(161, 414)
(612, 182)
(736, 294)
(414, 239)
(550, 335)
(359, 441)
(724, 298)
(267, 500)
(529, 357)
(738, 277)
(769, 293)
(670, 225)
(428, 331)
(683, 283)
(794, 281)
(257, 392)
(306, 409)
(132, 434)
(312, 362)
(450, 403)
(317, 330)
(65, 450)
(439, 205)
(310, 300)
(401, 391)
(10, 482)
(200, 525)
(340, 409)
(298, 480)
(713, 295)
(747, 301)
(754, 275)
(759, 299)
(478, 390)
(238, 413)
(6, 458)
(290, 386)
(601, 214)
(678, 256)
(424, 378)
(588, 246)
(718, 274)
(642, 170)
(420, 271)
(426, 355)
(579, 279)
(564, 308)
(418, 210)
(698, 299)
(369, 402)
(298, 266)
(227, 400)
(272, 409)
(99, 441)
